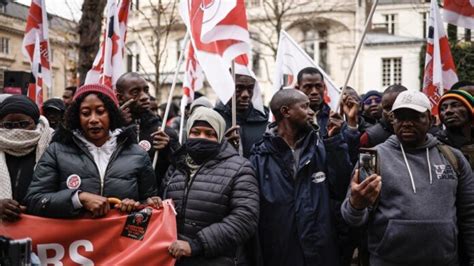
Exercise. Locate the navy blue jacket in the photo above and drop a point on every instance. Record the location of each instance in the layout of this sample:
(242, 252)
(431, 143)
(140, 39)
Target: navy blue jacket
(297, 225)
(351, 136)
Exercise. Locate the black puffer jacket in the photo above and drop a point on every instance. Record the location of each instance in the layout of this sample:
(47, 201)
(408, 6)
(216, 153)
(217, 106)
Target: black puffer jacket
(217, 209)
(129, 175)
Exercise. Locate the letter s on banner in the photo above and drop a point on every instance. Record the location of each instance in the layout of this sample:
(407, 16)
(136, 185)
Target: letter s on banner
(78, 258)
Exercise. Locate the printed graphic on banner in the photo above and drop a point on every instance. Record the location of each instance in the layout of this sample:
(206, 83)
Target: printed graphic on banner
(136, 224)
(99, 241)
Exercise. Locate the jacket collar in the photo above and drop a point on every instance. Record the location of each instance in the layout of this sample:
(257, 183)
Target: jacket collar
(251, 115)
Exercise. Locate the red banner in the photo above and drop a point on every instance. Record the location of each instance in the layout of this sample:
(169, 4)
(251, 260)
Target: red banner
(141, 238)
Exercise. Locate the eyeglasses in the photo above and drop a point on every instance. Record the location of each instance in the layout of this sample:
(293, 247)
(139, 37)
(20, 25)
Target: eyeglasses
(373, 100)
(18, 124)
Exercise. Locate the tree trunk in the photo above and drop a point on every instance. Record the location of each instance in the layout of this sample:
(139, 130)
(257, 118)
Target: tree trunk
(89, 30)
(158, 53)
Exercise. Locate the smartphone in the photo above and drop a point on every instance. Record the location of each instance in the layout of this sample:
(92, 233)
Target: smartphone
(367, 163)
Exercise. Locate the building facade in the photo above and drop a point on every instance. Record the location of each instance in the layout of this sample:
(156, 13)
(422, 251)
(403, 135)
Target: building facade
(328, 31)
(63, 47)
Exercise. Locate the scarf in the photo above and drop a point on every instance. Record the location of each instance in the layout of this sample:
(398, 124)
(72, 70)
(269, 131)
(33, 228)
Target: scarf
(20, 142)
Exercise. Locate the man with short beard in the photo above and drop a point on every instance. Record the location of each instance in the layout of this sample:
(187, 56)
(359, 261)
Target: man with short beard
(133, 95)
(456, 113)
(299, 175)
(251, 122)
(419, 203)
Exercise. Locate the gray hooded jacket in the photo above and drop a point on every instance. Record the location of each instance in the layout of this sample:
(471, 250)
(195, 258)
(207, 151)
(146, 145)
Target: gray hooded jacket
(423, 207)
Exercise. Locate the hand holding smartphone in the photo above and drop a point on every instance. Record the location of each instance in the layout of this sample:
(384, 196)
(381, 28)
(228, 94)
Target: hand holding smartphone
(367, 163)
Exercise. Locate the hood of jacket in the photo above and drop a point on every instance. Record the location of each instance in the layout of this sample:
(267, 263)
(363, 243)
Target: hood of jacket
(394, 144)
(429, 143)
(272, 143)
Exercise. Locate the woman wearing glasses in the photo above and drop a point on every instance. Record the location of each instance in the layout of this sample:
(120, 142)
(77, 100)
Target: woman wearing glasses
(24, 136)
(90, 160)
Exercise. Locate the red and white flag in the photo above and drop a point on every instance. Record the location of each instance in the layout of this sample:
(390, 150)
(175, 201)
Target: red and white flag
(459, 12)
(218, 34)
(108, 65)
(440, 71)
(290, 60)
(37, 27)
(193, 76)
(35, 91)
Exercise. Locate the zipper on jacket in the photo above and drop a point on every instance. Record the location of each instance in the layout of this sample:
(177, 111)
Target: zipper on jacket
(114, 155)
(186, 192)
(112, 158)
(137, 122)
(17, 182)
(87, 153)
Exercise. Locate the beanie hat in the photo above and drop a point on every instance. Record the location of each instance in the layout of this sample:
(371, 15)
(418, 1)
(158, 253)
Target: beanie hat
(54, 103)
(370, 94)
(20, 104)
(463, 96)
(103, 89)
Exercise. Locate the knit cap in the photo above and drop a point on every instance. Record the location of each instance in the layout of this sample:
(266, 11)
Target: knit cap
(105, 90)
(463, 96)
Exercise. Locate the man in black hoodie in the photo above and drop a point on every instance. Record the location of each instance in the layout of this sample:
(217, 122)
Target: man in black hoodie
(134, 98)
(252, 122)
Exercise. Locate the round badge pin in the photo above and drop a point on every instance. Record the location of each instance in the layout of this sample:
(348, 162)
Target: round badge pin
(73, 181)
(145, 144)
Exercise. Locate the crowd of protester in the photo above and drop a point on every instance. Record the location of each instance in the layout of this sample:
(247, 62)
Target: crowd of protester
(279, 188)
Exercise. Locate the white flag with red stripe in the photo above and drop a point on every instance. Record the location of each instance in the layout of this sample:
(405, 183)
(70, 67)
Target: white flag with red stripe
(219, 34)
(193, 75)
(459, 12)
(108, 65)
(290, 60)
(37, 27)
(440, 71)
(35, 93)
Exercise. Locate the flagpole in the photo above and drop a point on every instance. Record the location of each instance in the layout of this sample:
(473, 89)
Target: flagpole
(181, 122)
(234, 99)
(366, 27)
(173, 85)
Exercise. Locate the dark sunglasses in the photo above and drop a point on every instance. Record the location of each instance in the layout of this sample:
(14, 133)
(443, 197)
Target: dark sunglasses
(19, 124)
(373, 100)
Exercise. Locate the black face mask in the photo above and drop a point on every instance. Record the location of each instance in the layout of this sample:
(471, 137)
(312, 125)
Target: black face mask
(202, 150)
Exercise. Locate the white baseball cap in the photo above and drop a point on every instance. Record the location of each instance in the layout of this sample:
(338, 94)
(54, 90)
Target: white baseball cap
(412, 99)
